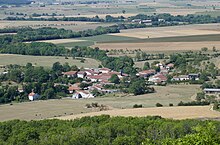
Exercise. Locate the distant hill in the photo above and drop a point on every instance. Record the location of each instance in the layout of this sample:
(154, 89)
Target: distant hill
(16, 2)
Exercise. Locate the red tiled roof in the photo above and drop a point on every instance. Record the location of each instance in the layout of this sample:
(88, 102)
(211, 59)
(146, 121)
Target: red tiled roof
(31, 94)
(70, 73)
(150, 71)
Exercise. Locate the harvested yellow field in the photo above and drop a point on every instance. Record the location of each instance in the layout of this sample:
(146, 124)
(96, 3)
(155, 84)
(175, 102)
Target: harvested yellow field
(60, 41)
(160, 46)
(173, 31)
(183, 112)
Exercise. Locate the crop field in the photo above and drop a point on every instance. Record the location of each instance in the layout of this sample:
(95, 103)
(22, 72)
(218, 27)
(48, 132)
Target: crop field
(175, 31)
(51, 108)
(88, 41)
(164, 39)
(186, 112)
(45, 61)
(62, 41)
(72, 25)
(161, 47)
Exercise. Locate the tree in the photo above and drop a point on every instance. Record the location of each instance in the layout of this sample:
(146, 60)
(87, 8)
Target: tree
(114, 79)
(204, 49)
(146, 66)
(123, 11)
(50, 93)
(200, 96)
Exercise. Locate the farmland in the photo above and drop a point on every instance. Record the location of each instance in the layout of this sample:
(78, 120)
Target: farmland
(75, 26)
(50, 108)
(185, 30)
(46, 61)
(164, 39)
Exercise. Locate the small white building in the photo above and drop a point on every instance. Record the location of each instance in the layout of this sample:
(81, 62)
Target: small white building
(82, 94)
(33, 96)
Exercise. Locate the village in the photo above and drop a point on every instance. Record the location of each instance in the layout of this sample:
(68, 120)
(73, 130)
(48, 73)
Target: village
(98, 80)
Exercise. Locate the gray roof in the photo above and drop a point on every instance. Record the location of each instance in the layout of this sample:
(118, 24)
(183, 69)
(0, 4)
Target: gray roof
(212, 90)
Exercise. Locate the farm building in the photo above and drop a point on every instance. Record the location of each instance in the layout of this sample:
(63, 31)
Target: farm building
(158, 79)
(146, 73)
(82, 94)
(211, 91)
(33, 96)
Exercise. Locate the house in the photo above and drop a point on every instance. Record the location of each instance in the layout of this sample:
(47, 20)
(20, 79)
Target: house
(161, 20)
(104, 70)
(146, 22)
(158, 79)
(82, 94)
(193, 76)
(70, 74)
(146, 73)
(136, 21)
(164, 71)
(81, 74)
(33, 96)
(211, 91)
(170, 66)
(180, 78)
(91, 72)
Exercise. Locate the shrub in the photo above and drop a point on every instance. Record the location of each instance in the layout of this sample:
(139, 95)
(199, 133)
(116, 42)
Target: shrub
(171, 104)
(159, 105)
(137, 106)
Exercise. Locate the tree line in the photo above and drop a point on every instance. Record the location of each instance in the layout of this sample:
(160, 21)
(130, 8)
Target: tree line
(48, 33)
(106, 130)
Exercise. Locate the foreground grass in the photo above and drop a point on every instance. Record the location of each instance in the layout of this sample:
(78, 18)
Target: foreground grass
(53, 108)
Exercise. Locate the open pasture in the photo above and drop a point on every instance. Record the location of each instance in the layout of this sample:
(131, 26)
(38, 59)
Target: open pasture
(183, 112)
(51, 108)
(45, 61)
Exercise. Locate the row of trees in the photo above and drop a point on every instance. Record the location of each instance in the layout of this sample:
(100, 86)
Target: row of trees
(47, 33)
(190, 18)
(108, 18)
(35, 48)
(104, 130)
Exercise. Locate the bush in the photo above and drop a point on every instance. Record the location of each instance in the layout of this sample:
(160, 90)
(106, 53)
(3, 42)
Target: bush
(194, 103)
(159, 105)
(171, 104)
(137, 106)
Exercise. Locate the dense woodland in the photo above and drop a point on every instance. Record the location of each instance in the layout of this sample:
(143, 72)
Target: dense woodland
(103, 130)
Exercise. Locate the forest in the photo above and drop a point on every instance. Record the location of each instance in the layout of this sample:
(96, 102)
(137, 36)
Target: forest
(106, 130)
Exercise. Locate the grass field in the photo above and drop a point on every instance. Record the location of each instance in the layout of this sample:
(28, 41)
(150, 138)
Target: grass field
(50, 108)
(88, 41)
(186, 112)
(79, 43)
(46, 61)
(73, 25)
